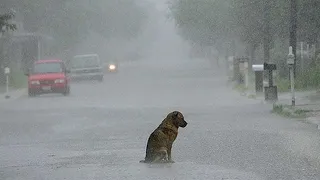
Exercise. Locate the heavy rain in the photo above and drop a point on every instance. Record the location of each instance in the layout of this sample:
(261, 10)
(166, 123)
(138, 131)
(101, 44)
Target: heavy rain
(84, 84)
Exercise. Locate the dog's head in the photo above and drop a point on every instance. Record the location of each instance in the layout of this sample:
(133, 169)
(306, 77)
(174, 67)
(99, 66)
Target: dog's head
(177, 119)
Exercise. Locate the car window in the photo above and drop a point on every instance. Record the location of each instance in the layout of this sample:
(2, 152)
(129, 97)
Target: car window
(52, 67)
(85, 62)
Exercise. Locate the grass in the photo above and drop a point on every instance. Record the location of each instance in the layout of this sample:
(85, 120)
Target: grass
(17, 80)
(289, 112)
(244, 90)
(307, 80)
(240, 87)
(283, 85)
(252, 96)
(2, 89)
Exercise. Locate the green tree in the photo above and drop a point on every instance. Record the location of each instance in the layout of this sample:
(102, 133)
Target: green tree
(5, 25)
(309, 20)
(218, 22)
(69, 21)
(206, 22)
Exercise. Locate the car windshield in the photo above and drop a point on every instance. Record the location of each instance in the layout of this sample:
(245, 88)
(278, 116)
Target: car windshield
(42, 68)
(85, 61)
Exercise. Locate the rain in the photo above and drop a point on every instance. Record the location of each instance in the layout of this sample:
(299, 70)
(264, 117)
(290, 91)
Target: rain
(83, 84)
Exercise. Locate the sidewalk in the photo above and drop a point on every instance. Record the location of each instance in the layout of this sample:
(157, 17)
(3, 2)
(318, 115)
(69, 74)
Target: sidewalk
(301, 98)
(307, 106)
(13, 93)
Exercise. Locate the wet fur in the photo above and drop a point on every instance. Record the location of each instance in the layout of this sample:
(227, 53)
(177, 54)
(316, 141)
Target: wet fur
(160, 141)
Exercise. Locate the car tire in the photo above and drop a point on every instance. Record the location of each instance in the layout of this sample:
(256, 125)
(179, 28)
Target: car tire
(66, 92)
(31, 94)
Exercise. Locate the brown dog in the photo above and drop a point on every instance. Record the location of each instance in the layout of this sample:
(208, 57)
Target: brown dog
(161, 139)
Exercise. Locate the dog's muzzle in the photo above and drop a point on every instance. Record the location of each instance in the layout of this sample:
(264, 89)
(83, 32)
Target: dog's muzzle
(184, 124)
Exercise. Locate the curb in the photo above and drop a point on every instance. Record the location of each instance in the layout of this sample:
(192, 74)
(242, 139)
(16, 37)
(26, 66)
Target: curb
(314, 120)
(287, 111)
(284, 101)
(12, 95)
(309, 118)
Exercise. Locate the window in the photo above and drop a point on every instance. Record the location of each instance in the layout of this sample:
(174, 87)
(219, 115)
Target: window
(85, 62)
(52, 67)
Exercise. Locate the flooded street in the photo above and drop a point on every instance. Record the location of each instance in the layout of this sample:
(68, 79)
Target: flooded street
(100, 131)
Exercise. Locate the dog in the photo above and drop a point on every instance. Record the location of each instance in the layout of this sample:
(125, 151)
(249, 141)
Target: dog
(160, 141)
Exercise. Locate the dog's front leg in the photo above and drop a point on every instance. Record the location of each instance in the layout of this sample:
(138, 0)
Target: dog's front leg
(169, 154)
(157, 159)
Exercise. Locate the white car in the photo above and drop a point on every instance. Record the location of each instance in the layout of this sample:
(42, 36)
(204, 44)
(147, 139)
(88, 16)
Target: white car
(86, 67)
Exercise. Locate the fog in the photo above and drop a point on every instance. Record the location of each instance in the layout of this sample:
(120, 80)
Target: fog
(157, 43)
(89, 81)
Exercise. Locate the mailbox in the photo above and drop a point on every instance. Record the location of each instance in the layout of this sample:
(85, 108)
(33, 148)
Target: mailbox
(270, 67)
(271, 92)
(258, 71)
(258, 67)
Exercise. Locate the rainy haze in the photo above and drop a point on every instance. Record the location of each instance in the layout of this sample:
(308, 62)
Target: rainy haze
(210, 89)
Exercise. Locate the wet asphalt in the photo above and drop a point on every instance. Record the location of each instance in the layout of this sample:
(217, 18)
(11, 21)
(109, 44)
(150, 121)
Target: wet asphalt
(100, 130)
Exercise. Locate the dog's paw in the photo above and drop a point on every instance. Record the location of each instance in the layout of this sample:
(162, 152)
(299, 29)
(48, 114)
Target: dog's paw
(170, 161)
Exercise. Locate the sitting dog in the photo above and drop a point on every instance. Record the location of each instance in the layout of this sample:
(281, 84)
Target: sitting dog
(160, 141)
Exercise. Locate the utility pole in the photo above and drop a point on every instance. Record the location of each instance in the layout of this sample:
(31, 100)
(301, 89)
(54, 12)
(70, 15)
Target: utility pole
(266, 40)
(301, 54)
(293, 32)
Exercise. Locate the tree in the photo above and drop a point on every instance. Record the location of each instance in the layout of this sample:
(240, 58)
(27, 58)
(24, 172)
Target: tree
(5, 25)
(217, 22)
(206, 22)
(69, 21)
(309, 20)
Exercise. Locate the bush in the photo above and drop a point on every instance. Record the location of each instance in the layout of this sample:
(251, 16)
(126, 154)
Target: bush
(283, 85)
(17, 78)
(309, 79)
(305, 81)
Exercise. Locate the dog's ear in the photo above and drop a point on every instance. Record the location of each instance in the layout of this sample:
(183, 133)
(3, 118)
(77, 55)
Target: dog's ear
(175, 114)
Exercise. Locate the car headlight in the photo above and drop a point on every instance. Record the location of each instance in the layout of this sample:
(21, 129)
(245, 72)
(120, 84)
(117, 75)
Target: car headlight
(112, 67)
(59, 81)
(34, 82)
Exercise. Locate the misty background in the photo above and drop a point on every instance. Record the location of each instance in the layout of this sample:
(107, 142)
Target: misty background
(166, 30)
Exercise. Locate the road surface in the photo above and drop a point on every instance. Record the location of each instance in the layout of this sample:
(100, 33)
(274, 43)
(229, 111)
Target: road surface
(100, 130)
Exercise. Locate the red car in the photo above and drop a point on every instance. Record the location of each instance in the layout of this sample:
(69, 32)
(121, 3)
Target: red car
(48, 76)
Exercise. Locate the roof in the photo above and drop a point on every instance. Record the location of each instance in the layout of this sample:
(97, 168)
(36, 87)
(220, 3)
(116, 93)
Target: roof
(48, 61)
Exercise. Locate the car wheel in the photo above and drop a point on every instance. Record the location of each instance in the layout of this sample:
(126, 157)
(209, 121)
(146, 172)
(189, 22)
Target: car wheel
(31, 94)
(67, 91)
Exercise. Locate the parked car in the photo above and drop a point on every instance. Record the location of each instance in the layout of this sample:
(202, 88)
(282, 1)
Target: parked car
(86, 67)
(48, 76)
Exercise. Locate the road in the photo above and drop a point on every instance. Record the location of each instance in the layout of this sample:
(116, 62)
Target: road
(100, 130)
